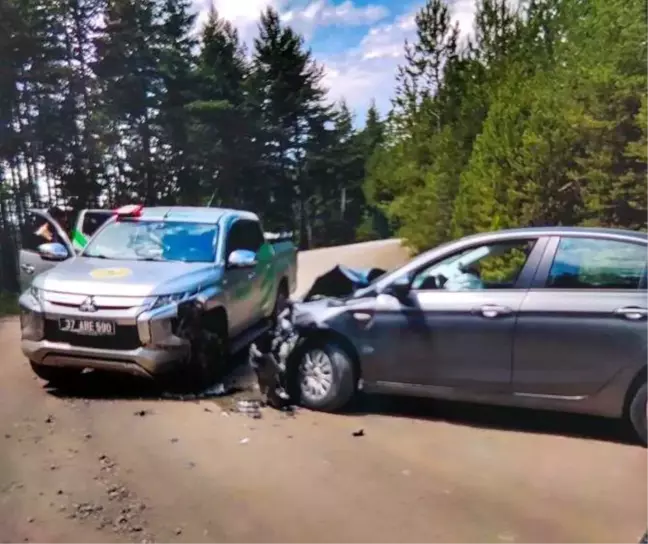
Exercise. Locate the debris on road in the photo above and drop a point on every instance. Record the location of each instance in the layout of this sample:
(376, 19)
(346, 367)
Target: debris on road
(250, 408)
(244, 440)
(359, 432)
(142, 413)
(174, 440)
(49, 419)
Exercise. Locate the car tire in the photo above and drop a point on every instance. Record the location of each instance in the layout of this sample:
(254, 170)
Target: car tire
(637, 414)
(324, 377)
(56, 375)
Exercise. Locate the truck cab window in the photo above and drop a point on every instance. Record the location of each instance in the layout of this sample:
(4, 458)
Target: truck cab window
(244, 234)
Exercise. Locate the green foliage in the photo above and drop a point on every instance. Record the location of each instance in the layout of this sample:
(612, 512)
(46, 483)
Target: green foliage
(8, 304)
(540, 119)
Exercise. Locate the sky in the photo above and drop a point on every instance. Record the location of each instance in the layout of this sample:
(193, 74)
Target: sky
(358, 42)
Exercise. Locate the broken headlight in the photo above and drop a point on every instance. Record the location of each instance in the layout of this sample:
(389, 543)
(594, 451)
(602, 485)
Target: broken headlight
(165, 300)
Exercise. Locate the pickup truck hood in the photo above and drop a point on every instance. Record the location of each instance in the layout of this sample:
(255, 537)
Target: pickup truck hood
(102, 277)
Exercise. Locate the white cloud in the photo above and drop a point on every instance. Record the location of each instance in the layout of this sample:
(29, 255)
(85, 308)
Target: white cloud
(244, 14)
(323, 13)
(364, 72)
(369, 71)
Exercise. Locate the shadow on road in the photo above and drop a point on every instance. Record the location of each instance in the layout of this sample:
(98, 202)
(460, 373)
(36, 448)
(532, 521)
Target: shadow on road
(497, 417)
(111, 386)
(97, 385)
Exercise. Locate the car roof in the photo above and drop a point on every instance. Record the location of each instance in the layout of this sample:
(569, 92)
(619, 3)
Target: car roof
(194, 214)
(602, 232)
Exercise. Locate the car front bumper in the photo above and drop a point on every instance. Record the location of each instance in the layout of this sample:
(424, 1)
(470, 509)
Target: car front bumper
(152, 348)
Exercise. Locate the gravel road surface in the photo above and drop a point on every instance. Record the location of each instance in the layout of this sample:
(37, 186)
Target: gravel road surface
(109, 461)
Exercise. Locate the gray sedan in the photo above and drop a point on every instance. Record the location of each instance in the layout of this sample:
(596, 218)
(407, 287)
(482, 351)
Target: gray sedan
(547, 318)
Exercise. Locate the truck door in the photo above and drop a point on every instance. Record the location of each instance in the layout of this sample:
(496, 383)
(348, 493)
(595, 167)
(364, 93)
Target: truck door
(239, 282)
(39, 229)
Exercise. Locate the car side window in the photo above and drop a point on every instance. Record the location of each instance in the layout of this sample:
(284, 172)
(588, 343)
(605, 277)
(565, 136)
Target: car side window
(93, 220)
(490, 266)
(244, 234)
(590, 263)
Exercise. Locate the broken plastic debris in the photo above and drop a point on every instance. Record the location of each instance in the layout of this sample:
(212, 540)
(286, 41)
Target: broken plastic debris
(251, 408)
(359, 432)
(244, 440)
(215, 390)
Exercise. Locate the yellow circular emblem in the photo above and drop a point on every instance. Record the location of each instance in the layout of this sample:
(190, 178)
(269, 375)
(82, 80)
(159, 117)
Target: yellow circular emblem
(110, 273)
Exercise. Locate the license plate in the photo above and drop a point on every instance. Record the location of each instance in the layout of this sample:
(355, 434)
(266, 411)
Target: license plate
(87, 327)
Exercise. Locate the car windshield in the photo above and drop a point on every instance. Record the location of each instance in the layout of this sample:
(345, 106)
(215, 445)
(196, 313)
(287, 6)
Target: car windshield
(154, 241)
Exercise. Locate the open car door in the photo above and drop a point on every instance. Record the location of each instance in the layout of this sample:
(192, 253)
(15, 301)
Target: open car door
(39, 229)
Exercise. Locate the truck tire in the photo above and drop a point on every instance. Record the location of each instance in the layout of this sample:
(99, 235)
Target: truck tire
(637, 413)
(324, 377)
(56, 375)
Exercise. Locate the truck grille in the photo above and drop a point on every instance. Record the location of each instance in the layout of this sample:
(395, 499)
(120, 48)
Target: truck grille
(126, 337)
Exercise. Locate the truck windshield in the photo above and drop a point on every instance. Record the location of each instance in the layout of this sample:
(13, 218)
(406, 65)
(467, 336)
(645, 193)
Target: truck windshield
(154, 241)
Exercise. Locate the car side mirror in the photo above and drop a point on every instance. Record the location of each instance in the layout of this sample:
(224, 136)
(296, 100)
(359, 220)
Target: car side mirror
(241, 258)
(53, 252)
(400, 288)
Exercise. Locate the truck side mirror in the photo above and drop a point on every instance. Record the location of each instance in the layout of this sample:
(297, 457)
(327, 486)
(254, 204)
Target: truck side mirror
(53, 252)
(241, 258)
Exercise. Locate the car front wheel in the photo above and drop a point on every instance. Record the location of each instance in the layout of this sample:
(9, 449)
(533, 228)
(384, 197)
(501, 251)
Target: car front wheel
(325, 377)
(637, 412)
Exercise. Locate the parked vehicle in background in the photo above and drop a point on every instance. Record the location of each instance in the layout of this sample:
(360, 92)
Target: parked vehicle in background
(59, 225)
(114, 305)
(550, 318)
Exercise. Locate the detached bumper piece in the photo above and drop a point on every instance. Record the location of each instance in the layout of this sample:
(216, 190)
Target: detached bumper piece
(269, 357)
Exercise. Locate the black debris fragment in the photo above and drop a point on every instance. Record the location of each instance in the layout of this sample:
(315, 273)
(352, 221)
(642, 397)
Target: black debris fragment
(174, 440)
(359, 432)
(341, 281)
(142, 413)
(49, 419)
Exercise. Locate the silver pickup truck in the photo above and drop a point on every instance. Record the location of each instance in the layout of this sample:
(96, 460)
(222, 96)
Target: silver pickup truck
(113, 305)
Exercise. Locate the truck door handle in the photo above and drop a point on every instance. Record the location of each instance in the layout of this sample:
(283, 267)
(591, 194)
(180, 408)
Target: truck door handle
(492, 311)
(27, 268)
(634, 313)
(251, 275)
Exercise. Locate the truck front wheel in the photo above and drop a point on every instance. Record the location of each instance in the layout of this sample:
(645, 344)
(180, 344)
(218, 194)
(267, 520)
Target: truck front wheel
(56, 375)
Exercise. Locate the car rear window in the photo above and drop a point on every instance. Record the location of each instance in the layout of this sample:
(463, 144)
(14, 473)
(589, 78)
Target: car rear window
(589, 263)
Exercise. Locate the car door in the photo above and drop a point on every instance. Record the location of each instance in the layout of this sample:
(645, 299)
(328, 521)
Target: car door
(458, 335)
(256, 286)
(30, 262)
(584, 318)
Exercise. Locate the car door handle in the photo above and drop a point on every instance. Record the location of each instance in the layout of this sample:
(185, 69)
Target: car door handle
(633, 313)
(27, 268)
(492, 310)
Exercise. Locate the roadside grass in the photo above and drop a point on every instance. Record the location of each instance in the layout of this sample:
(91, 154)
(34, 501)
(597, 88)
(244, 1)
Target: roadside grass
(8, 304)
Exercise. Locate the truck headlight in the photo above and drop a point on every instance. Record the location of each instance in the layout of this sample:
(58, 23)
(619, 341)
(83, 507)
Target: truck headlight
(165, 300)
(36, 293)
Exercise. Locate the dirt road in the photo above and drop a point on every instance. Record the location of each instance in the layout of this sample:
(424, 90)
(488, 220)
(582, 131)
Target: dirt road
(107, 466)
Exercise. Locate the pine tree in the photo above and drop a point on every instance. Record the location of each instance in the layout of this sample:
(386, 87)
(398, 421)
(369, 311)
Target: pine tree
(290, 97)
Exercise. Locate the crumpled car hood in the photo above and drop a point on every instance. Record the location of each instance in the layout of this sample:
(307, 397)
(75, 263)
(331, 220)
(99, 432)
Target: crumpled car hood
(341, 281)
